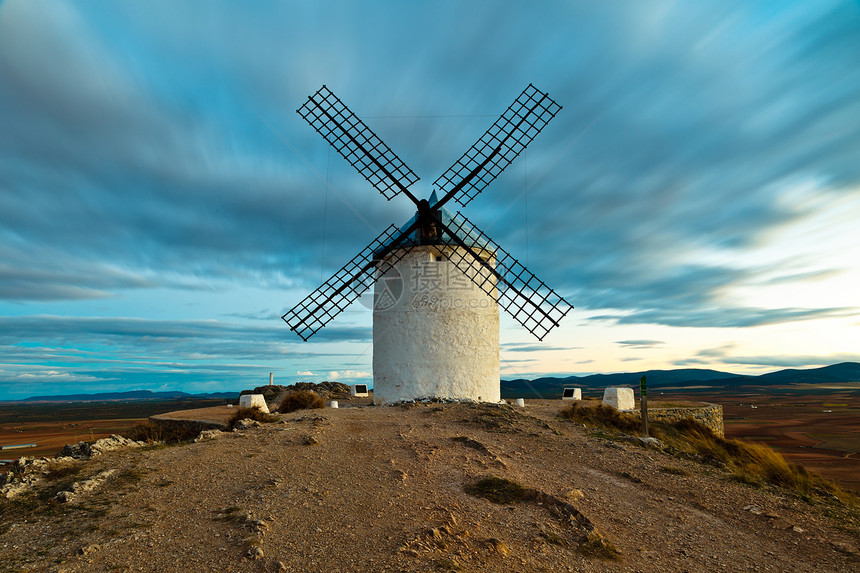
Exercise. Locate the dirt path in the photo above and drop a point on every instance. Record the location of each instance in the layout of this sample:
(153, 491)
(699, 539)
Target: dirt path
(382, 489)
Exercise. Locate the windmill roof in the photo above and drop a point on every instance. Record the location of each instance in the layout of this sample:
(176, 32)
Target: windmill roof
(468, 234)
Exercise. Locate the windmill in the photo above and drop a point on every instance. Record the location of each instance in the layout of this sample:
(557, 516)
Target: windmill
(438, 280)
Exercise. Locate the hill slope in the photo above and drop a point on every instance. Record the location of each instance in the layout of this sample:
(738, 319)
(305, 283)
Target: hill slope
(551, 387)
(384, 489)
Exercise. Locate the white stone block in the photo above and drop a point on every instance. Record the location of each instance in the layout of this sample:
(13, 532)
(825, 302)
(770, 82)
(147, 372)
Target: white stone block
(521, 403)
(619, 398)
(572, 394)
(359, 390)
(253, 401)
(333, 404)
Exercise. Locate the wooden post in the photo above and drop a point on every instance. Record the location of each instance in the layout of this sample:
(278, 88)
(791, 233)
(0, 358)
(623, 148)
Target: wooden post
(271, 377)
(643, 391)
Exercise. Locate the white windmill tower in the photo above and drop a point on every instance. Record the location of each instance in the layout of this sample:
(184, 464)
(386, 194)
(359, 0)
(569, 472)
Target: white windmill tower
(439, 281)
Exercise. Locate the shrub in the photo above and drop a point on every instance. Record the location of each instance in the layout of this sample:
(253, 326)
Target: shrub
(301, 400)
(603, 416)
(250, 413)
(151, 432)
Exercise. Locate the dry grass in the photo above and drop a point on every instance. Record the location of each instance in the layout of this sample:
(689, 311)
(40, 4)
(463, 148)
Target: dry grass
(602, 416)
(757, 464)
(152, 432)
(301, 400)
(749, 462)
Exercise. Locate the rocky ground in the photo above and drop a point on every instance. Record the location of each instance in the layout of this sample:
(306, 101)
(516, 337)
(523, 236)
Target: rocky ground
(385, 489)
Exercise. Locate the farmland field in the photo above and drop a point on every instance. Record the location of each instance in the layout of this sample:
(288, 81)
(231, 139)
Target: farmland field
(51, 425)
(818, 430)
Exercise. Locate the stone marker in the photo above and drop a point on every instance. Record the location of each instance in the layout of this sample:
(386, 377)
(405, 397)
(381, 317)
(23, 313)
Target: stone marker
(521, 403)
(619, 398)
(333, 404)
(572, 394)
(359, 390)
(253, 401)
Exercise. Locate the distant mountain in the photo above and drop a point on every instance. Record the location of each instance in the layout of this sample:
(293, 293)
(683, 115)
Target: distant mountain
(131, 395)
(682, 378)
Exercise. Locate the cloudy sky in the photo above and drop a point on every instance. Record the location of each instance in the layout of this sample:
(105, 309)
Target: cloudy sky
(162, 204)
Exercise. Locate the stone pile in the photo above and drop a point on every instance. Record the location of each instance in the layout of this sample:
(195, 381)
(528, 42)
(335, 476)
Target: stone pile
(27, 473)
(86, 450)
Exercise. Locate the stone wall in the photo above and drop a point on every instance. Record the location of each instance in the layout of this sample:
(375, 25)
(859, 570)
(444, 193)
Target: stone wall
(710, 416)
(170, 425)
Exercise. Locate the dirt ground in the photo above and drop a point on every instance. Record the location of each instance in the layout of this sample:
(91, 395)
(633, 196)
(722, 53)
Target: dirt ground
(385, 489)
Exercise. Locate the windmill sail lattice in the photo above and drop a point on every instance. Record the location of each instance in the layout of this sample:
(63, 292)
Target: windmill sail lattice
(350, 282)
(498, 147)
(357, 143)
(523, 296)
(520, 293)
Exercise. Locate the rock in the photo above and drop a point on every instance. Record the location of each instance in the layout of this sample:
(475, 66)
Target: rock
(574, 494)
(498, 546)
(85, 486)
(254, 553)
(85, 450)
(89, 549)
(258, 526)
(280, 567)
(79, 451)
(651, 443)
(246, 424)
(13, 490)
(208, 435)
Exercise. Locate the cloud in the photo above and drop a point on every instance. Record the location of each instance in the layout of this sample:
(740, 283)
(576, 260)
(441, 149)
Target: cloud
(531, 347)
(336, 375)
(50, 351)
(792, 361)
(637, 344)
(718, 352)
(725, 317)
(683, 139)
(143, 156)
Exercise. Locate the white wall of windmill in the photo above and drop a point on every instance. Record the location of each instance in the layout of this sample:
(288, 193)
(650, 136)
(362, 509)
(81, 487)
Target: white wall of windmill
(438, 337)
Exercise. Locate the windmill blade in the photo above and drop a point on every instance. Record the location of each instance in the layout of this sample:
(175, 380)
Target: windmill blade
(498, 147)
(524, 296)
(358, 144)
(347, 284)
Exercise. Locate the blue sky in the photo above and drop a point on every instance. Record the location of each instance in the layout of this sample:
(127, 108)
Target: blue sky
(162, 204)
